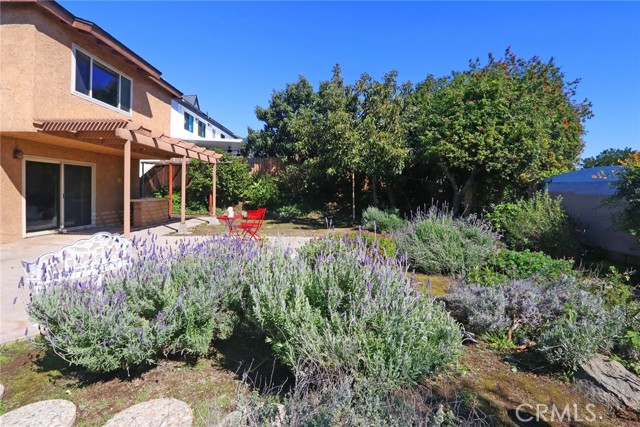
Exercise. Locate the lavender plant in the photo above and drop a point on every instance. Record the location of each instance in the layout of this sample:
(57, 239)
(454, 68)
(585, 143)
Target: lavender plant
(438, 243)
(173, 299)
(584, 328)
(352, 310)
(568, 323)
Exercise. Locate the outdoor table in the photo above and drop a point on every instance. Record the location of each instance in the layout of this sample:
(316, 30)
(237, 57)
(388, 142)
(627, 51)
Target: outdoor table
(229, 220)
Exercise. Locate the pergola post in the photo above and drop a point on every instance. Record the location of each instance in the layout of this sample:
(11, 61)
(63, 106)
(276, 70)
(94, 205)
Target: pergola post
(183, 197)
(127, 188)
(170, 188)
(213, 190)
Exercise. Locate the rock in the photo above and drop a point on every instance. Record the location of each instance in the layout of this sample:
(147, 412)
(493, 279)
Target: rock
(610, 383)
(50, 413)
(154, 413)
(1, 391)
(232, 419)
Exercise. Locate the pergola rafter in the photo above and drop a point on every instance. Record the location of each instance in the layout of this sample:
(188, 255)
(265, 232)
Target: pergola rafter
(132, 136)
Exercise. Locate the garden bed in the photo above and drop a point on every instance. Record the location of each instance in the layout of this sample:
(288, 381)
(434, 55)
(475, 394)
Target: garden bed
(210, 385)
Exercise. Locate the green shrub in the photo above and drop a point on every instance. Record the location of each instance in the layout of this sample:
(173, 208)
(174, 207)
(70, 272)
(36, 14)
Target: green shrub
(437, 243)
(627, 195)
(192, 206)
(538, 224)
(289, 212)
(351, 312)
(262, 193)
(376, 220)
(233, 180)
(506, 265)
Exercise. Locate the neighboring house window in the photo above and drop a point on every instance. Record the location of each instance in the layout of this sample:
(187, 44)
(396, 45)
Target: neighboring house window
(188, 122)
(222, 136)
(201, 129)
(101, 82)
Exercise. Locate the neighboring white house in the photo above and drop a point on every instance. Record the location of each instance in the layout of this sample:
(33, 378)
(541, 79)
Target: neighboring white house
(190, 124)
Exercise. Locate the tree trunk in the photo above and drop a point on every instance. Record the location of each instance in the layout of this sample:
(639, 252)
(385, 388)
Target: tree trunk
(374, 188)
(353, 198)
(458, 192)
(390, 195)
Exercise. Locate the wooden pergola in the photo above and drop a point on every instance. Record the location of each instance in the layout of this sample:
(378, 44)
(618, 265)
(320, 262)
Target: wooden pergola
(131, 140)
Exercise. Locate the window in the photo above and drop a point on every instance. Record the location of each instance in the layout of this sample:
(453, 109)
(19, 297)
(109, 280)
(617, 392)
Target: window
(188, 122)
(222, 136)
(201, 129)
(100, 82)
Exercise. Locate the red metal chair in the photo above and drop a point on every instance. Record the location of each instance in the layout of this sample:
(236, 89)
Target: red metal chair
(252, 224)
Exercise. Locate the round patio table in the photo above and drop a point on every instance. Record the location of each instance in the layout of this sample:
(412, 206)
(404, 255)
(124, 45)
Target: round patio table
(229, 220)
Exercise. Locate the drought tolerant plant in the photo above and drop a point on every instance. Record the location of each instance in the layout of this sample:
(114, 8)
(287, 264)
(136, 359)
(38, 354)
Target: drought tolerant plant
(438, 243)
(376, 220)
(584, 329)
(351, 311)
(538, 224)
(568, 323)
(319, 399)
(174, 299)
(506, 265)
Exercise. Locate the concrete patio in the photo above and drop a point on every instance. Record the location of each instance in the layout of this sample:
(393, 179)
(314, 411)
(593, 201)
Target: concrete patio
(14, 322)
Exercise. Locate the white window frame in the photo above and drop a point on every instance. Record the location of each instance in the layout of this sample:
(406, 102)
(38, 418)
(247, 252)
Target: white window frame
(61, 163)
(75, 49)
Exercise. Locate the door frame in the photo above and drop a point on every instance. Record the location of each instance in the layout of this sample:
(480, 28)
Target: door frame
(61, 163)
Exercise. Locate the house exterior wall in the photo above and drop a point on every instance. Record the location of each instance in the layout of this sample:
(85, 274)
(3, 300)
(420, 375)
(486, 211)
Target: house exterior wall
(178, 130)
(36, 68)
(108, 171)
(36, 74)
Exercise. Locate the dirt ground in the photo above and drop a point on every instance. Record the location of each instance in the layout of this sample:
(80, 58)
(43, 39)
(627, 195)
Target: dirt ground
(499, 383)
(495, 384)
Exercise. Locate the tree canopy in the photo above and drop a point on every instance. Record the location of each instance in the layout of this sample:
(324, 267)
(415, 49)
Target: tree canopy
(608, 157)
(504, 125)
(512, 121)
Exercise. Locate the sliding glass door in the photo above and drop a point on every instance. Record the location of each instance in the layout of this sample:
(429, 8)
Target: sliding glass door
(42, 195)
(77, 195)
(57, 194)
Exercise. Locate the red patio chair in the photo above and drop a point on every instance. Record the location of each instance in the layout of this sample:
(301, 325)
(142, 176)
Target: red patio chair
(252, 224)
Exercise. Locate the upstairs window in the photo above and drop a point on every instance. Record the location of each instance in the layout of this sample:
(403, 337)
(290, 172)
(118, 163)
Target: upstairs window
(97, 81)
(202, 128)
(188, 122)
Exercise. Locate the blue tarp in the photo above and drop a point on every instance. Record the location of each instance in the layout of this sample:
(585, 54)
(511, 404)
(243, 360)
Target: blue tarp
(592, 181)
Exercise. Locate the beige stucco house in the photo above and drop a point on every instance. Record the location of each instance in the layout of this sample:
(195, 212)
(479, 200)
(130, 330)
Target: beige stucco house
(77, 109)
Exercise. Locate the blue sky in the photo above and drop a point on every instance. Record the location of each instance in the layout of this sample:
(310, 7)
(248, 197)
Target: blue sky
(234, 54)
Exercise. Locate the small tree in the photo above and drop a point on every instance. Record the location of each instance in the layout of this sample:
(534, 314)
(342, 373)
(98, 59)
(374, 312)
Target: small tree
(628, 190)
(512, 122)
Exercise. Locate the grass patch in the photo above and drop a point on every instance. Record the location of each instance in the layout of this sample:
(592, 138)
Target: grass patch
(438, 284)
